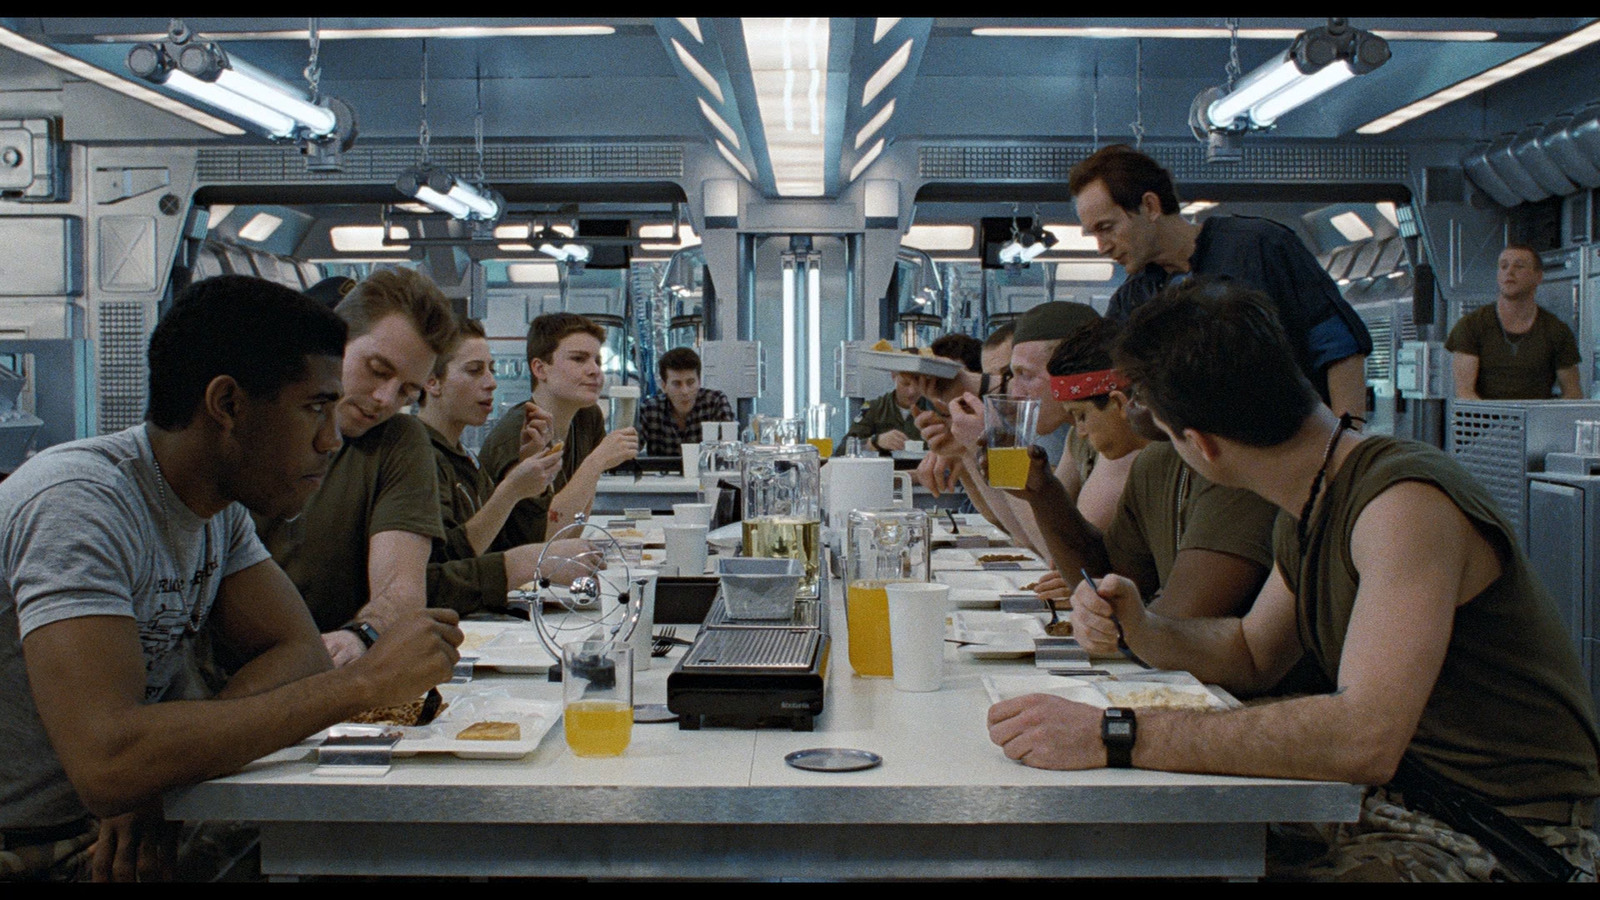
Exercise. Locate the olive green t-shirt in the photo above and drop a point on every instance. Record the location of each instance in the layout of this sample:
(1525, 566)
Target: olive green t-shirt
(1167, 507)
(1510, 717)
(458, 578)
(500, 451)
(879, 416)
(1514, 367)
(381, 481)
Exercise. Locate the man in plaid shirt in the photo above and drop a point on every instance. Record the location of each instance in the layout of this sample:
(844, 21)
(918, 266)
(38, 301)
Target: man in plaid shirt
(671, 419)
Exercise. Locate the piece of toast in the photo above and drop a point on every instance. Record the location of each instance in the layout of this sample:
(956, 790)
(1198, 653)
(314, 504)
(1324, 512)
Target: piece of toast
(491, 731)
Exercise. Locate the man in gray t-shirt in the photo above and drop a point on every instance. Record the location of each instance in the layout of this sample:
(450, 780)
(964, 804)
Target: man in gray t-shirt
(116, 552)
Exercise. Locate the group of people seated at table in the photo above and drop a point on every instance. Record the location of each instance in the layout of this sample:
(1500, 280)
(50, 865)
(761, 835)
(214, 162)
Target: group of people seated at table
(276, 548)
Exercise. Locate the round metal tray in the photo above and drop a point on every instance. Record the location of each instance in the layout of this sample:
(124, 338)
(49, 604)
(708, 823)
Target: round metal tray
(833, 759)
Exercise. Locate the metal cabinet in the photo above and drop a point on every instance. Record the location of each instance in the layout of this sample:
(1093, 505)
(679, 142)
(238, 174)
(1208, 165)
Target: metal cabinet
(1563, 531)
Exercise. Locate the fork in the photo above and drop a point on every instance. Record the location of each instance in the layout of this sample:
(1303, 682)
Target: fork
(664, 642)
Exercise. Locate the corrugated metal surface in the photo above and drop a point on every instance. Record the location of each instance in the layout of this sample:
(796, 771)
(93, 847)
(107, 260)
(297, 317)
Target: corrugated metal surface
(501, 162)
(1262, 162)
(124, 381)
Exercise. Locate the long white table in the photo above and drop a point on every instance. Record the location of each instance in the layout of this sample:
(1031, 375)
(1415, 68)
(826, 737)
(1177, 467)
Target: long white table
(721, 803)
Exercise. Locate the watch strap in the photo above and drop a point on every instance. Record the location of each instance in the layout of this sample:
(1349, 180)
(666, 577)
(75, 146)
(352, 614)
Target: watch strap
(364, 631)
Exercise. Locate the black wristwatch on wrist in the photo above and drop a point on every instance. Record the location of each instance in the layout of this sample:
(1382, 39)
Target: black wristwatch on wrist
(1118, 729)
(362, 630)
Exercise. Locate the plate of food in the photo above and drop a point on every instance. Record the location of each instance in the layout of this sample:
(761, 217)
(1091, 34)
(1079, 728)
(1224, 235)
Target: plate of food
(891, 360)
(982, 590)
(998, 558)
(483, 726)
(983, 634)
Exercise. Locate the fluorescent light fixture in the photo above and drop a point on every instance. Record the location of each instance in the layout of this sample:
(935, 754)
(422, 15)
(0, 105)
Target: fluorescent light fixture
(367, 238)
(1573, 42)
(74, 66)
(813, 331)
(894, 65)
(1387, 210)
(533, 273)
(876, 122)
(1086, 270)
(1351, 226)
(1342, 282)
(718, 122)
(1071, 237)
(449, 194)
(446, 32)
(420, 209)
(789, 67)
(216, 214)
(1319, 60)
(867, 159)
(790, 351)
(883, 27)
(686, 237)
(568, 253)
(734, 161)
(205, 72)
(939, 237)
(1397, 273)
(1027, 246)
(1278, 34)
(1195, 207)
(700, 73)
(693, 27)
(260, 227)
(1301, 92)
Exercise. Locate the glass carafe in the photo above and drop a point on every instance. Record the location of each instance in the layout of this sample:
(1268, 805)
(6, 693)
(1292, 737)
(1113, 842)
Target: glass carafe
(881, 546)
(782, 506)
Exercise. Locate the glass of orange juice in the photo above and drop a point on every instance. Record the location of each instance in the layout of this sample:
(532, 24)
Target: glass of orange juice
(816, 425)
(597, 694)
(1008, 429)
(883, 546)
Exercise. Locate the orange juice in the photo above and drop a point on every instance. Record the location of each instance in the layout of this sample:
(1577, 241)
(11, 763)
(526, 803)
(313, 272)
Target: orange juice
(824, 446)
(868, 615)
(599, 727)
(1008, 467)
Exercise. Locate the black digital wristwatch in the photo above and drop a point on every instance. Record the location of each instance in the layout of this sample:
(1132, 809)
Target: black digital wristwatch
(362, 630)
(1118, 729)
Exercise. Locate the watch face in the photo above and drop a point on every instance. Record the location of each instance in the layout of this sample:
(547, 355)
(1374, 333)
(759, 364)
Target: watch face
(1119, 729)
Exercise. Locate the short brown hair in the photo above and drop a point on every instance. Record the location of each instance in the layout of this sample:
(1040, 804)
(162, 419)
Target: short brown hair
(546, 333)
(411, 294)
(1538, 261)
(963, 348)
(1000, 335)
(1128, 176)
(678, 359)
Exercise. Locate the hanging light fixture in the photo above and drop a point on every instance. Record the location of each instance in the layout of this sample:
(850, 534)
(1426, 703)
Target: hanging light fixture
(204, 71)
(441, 190)
(1028, 245)
(555, 245)
(1319, 60)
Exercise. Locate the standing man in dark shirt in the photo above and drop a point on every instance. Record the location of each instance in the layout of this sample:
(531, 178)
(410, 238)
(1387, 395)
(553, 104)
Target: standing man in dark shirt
(672, 418)
(1512, 349)
(1128, 203)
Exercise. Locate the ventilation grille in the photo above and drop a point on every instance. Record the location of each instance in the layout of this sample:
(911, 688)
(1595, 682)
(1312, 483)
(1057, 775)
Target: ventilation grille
(753, 648)
(1491, 444)
(1052, 162)
(123, 376)
(527, 162)
(1380, 363)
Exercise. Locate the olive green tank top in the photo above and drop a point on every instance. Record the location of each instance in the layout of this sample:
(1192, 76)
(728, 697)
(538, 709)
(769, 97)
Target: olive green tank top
(1510, 717)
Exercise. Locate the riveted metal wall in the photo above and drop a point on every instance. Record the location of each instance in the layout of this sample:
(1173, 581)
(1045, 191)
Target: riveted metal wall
(1261, 163)
(369, 163)
(123, 375)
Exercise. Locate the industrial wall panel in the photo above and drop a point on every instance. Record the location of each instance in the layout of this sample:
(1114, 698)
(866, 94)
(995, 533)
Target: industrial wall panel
(1262, 162)
(370, 163)
(128, 254)
(124, 379)
(41, 256)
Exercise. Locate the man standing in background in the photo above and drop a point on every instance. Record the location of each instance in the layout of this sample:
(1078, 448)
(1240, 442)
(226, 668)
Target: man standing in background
(1512, 349)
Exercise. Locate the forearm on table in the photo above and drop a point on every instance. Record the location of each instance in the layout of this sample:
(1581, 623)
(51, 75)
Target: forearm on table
(277, 666)
(1214, 650)
(1325, 737)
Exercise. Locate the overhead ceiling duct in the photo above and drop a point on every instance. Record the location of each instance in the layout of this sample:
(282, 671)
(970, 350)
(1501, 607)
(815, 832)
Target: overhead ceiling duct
(1484, 176)
(1540, 167)
(1585, 132)
(1565, 152)
(1505, 164)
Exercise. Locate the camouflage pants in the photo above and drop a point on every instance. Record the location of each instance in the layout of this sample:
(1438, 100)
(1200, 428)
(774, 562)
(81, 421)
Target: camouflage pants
(1392, 843)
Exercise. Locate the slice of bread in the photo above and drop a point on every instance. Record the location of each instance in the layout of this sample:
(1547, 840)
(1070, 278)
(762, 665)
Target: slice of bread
(491, 731)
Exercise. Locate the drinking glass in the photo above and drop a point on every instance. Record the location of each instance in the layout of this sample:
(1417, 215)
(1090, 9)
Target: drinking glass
(1009, 431)
(597, 697)
(882, 547)
(782, 491)
(816, 425)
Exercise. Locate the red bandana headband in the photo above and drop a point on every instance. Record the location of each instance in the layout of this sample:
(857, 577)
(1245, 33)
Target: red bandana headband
(1088, 385)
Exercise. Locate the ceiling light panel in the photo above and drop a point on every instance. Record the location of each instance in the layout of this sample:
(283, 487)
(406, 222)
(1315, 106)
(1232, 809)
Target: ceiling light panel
(1071, 237)
(1573, 42)
(1195, 207)
(1088, 270)
(1248, 34)
(1351, 226)
(886, 73)
(733, 160)
(718, 122)
(939, 237)
(789, 67)
(216, 214)
(260, 227)
(866, 160)
(700, 73)
(693, 27)
(873, 124)
(366, 238)
(883, 27)
(534, 273)
(446, 32)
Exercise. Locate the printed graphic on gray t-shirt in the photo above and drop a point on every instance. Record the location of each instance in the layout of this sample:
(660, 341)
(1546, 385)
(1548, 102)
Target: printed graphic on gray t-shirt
(88, 529)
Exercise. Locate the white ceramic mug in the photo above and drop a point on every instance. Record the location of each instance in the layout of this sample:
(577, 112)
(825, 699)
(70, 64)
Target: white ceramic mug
(686, 548)
(916, 633)
(693, 513)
